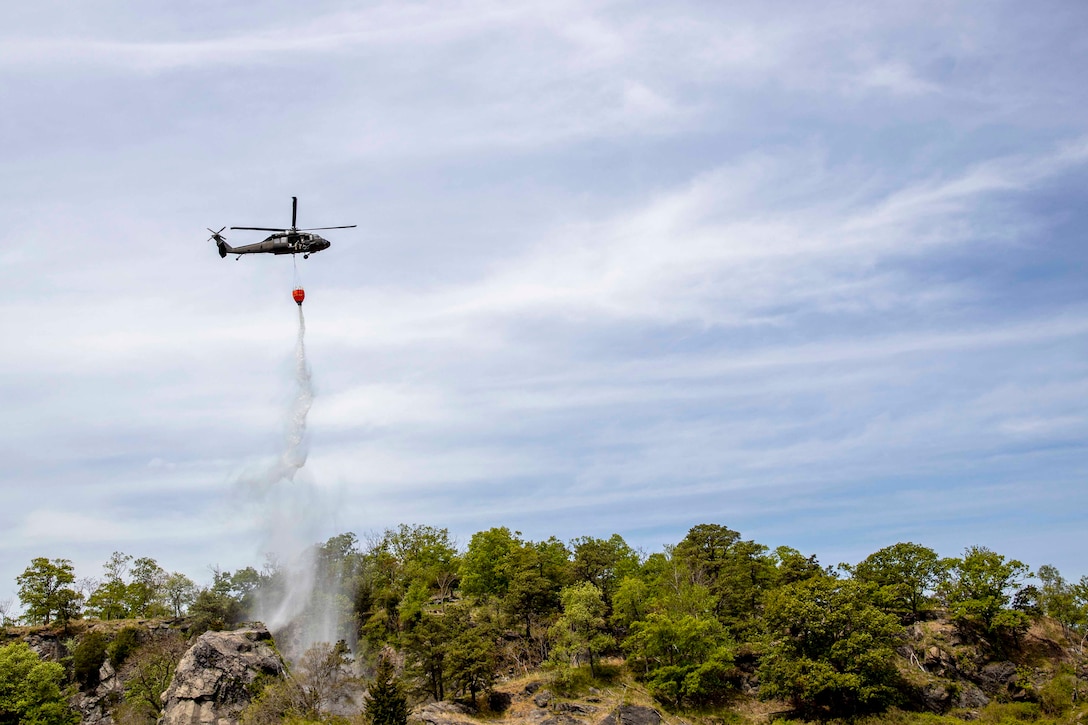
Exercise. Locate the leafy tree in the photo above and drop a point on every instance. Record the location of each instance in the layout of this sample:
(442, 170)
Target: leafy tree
(180, 592)
(148, 672)
(385, 703)
(484, 568)
(631, 602)
(980, 588)
(793, 566)
(427, 554)
(425, 646)
(472, 655)
(580, 630)
(536, 572)
(44, 591)
(215, 607)
(1058, 599)
(144, 594)
(603, 562)
(109, 600)
(321, 679)
(420, 559)
(684, 660)
(31, 690)
(903, 573)
(831, 651)
(705, 550)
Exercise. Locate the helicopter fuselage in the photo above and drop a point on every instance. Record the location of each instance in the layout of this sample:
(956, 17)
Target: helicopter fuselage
(285, 243)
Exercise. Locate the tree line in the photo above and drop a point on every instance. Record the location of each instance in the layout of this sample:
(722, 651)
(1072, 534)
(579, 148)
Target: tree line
(690, 621)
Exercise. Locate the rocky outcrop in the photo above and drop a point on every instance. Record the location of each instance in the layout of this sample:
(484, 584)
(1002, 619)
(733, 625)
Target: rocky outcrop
(632, 715)
(213, 681)
(94, 706)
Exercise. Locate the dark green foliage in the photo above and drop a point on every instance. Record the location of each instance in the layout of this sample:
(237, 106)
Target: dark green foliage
(735, 573)
(425, 647)
(831, 651)
(904, 574)
(87, 658)
(603, 562)
(31, 690)
(385, 703)
(124, 644)
(214, 610)
(471, 654)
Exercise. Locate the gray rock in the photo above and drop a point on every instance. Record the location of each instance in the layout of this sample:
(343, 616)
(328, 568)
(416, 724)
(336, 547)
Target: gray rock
(936, 697)
(632, 715)
(574, 708)
(211, 685)
(562, 718)
(999, 673)
(541, 699)
(971, 696)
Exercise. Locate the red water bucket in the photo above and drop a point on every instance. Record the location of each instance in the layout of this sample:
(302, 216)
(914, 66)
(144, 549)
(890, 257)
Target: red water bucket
(299, 295)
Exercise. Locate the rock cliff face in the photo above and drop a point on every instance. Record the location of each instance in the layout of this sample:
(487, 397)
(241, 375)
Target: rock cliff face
(213, 681)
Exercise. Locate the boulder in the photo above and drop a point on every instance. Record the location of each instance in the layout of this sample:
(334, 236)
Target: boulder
(445, 713)
(212, 683)
(632, 715)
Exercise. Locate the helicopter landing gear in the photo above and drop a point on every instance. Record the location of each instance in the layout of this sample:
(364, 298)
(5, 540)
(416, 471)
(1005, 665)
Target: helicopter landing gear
(305, 256)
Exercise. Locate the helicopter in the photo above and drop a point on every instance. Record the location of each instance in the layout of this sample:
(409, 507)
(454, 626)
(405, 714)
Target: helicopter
(284, 241)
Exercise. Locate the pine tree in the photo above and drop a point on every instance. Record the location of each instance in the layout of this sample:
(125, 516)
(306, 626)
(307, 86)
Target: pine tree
(385, 703)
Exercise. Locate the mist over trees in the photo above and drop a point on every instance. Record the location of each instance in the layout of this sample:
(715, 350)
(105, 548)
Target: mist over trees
(689, 622)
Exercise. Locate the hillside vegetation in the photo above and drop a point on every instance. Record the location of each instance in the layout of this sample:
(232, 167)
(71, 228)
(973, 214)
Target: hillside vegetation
(715, 629)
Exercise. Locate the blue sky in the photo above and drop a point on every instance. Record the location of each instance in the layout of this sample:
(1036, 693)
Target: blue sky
(812, 271)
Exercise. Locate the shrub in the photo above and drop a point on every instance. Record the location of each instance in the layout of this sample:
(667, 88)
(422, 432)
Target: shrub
(87, 658)
(126, 641)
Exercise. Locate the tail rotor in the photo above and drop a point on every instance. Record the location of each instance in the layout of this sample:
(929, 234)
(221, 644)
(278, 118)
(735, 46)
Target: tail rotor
(217, 237)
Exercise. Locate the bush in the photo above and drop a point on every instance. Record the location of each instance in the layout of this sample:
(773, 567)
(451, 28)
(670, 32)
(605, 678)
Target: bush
(1056, 696)
(30, 689)
(87, 658)
(124, 644)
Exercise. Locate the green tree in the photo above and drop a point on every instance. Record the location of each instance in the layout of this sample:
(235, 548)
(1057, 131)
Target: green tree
(148, 672)
(980, 588)
(180, 591)
(44, 591)
(685, 660)
(110, 599)
(903, 573)
(144, 595)
(385, 703)
(831, 651)
(485, 569)
(793, 566)
(580, 630)
(425, 646)
(603, 562)
(472, 655)
(31, 690)
(1058, 599)
(535, 573)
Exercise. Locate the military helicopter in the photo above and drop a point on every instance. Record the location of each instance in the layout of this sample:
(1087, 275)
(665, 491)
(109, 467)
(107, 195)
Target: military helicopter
(284, 241)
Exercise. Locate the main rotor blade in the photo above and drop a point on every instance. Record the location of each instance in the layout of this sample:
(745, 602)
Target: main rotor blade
(294, 210)
(317, 229)
(263, 229)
